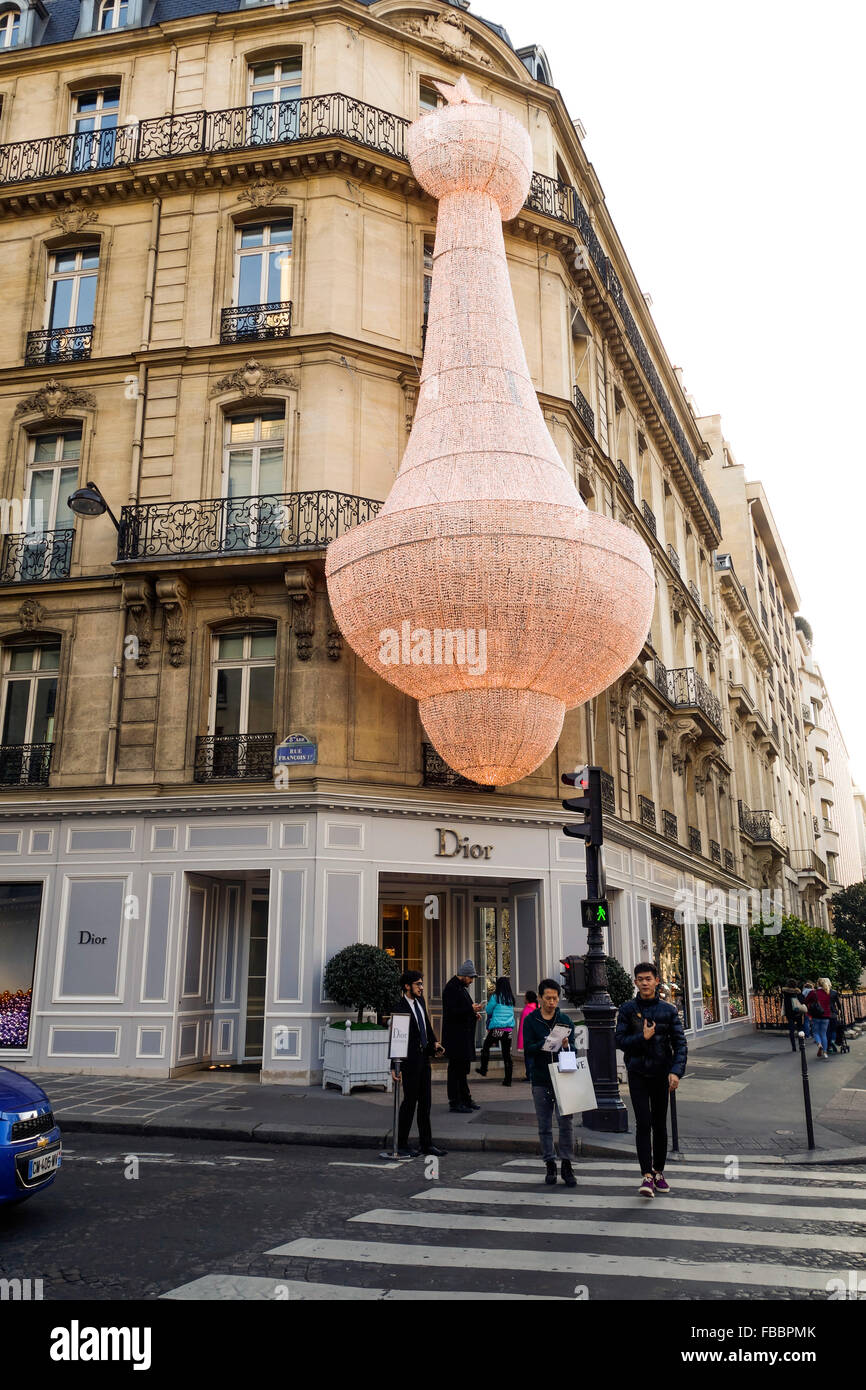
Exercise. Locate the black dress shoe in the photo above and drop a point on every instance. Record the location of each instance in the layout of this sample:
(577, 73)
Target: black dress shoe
(433, 1152)
(407, 1153)
(461, 1109)
(550, 1175)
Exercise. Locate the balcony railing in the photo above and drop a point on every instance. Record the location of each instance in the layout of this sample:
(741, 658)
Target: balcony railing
(669, 823)
(729, 858)
(608, 798)
(234, 758)
(58, 345)
(25, 764)
(256, 323)
(647, 812)
(240, 525)
(649, 517)
(708, 614)
(437, 773)
(715, 852)
(660, 679)
(763, 827)
(673, 557)
(584, 409)
(32, 556)
(806, 861)
(764, 616)
(774, 730)
(625, 478)
(688, 690)
(695, 844)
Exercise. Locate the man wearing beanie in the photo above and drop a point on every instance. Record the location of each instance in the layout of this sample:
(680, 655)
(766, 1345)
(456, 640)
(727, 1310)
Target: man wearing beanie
(459, 1017)
(415, 1068)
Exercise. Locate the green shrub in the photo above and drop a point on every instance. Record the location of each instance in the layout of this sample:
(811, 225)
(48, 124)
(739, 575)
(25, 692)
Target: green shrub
(801, 952)
(620, 985)
(363, 977)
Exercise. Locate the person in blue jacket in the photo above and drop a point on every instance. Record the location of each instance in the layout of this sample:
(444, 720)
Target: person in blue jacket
(500, 1026)
(650, 1035)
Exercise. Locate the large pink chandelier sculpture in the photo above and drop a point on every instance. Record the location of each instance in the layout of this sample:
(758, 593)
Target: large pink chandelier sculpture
(485, 588)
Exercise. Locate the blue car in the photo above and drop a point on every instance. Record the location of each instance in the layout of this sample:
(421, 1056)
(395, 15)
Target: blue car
(30, 1148)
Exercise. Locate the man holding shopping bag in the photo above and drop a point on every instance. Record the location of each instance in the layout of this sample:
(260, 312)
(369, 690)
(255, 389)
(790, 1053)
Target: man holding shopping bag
(536, 1031)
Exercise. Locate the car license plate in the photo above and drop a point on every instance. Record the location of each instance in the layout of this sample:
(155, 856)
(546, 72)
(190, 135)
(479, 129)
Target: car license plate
(43, 1165)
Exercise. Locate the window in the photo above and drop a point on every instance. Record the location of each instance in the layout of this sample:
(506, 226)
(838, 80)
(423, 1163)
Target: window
(263, 264)
(113, 14)
(29, 695)
(738, 1004)
(669, 953)
(254, 472)
(708, 973)
(10, 27)
(20, 904)
(428, 285)
(275, 91)
(242, 699)
(429, 98)
(401, 931)
(94, 126)
(52, 474)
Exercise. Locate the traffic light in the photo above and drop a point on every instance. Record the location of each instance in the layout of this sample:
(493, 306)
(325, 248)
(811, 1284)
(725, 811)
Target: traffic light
(587, 780)
(573, 974)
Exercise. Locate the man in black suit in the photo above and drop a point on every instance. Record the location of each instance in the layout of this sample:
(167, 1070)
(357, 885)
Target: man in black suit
(415, 1068)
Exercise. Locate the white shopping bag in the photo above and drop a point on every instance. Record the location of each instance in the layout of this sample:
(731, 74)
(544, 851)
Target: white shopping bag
(567, 1061)
(573, 1090)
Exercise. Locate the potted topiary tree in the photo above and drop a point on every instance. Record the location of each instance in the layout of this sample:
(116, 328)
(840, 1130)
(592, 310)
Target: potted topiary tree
(356, 1053)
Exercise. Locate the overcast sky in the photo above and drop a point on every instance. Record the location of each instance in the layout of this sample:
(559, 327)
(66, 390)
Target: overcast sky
(729, 140)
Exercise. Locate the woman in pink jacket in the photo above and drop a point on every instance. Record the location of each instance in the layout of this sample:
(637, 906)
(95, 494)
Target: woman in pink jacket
(530, 1005)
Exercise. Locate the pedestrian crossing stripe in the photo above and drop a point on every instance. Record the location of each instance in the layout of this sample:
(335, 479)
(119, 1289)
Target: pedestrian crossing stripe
(587, 1264)
(785, 1171)
(246, 1287)
(661, 1209)
(798, 1192)
(616, 1230)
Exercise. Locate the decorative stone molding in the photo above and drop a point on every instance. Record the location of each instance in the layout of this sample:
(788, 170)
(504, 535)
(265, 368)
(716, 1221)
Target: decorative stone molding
(242, 601)
(335, 637)
(447, 32)
(678, 605)
(262, 193)
(53, 400)
(409, 387)
(700, 785)
(31, 614)
(138, 602)
(301, 589)
(252, 379)
(678, 764)
(73, 217)
(173, 596)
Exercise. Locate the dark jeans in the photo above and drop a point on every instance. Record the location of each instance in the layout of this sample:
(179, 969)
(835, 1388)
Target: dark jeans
(416, 1092)
(649, 1098)
(458, 1086)
(793, 1030)
(545, 1104)
(505, 1043)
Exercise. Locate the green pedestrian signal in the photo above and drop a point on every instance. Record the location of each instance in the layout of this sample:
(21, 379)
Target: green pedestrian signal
(602, 914)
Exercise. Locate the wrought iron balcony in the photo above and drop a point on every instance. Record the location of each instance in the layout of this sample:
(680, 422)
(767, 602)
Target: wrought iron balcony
(647, 812)
(234, 758)
(695, 843)
(437, 773)
(709, 616)
(669, 822)
(32, 556)
(240, 525)
(729, 859)
(687, 690)
(47, 345)
(649, 517)
(660, 679)
(808, 864)
(695, 592)
(256, 323)
(584, 409)
(608, 798)
(715, 852)
(552, 197)
(625, 478)
(25, 764)
(673, 557)
(762, 827)
(774, 729)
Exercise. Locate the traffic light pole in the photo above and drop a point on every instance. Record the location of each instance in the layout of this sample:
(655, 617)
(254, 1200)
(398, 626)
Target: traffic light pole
(610, 1115)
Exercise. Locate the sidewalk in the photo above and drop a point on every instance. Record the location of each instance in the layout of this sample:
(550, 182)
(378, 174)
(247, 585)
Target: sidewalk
(742, 1096)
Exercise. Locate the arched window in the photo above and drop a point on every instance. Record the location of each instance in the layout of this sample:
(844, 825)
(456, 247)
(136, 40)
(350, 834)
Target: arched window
(10, 27)
(254, 473)
(29, 694)
(240, 738)
(113, 14)
(275, 91)
(94, 125)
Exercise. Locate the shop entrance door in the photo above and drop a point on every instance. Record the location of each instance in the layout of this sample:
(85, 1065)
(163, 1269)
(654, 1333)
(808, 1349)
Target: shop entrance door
(256, 977)
(493, 953)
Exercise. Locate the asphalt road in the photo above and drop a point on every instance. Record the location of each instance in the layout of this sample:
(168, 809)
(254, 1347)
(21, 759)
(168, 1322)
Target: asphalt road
(212, 1220)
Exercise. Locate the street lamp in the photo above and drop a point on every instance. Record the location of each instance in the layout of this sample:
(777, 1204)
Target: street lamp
(89, 501)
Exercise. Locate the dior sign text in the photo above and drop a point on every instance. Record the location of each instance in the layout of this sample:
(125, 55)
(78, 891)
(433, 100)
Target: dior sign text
(451, 845)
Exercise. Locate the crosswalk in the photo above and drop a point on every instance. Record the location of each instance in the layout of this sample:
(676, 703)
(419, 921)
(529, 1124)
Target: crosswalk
(499, 1232)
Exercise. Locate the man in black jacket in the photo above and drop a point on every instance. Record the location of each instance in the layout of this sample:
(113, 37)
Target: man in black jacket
(650, 1035)
(415, 1068)
(459, 1017)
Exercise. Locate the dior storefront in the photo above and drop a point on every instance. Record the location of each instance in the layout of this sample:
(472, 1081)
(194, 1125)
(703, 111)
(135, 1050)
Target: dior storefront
(150, 944)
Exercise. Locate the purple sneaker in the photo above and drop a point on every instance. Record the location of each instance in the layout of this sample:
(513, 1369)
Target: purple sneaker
(660, 1183)
(647, 1188)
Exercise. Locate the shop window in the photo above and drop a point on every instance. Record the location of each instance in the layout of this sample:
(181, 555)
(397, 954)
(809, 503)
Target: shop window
(709, 984)
(19, 927)
(738, 1004)
(401, 934)
(669, 953)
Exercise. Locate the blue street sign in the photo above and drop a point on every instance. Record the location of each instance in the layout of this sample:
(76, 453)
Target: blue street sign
(296, 749)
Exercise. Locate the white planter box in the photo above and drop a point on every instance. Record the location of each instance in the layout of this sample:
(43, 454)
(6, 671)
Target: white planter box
(357, 1058)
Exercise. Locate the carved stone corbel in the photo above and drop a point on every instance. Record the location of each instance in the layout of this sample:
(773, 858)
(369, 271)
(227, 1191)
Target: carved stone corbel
(242, 601)
(678, 764)
(301, 589)
(173, 596)
(335, 637)
(700, 785)
(138, 602)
